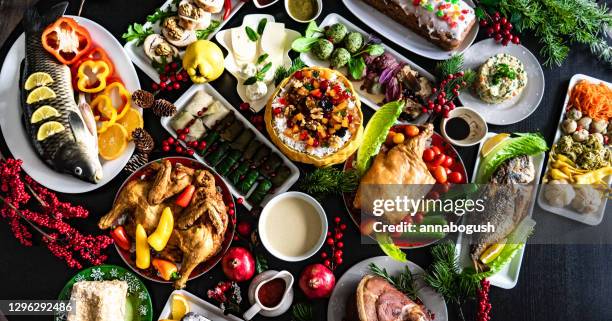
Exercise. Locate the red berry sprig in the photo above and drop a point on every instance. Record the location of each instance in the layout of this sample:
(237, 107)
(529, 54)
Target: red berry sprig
(500, 29)
(228, 295)
(170, 143)
(332, 256)
(484, 306)
(441, 102)
(170, 78)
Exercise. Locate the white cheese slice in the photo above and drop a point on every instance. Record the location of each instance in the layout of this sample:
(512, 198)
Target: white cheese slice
(273, 42)
(243, 48)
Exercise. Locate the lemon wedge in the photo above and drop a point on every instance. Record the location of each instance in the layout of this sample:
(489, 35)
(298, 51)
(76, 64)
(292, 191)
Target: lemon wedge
(492, 252)
(37, 79)
(488, 146)
(40, 94)
(49, 129)
(43, 113)
(180, 306)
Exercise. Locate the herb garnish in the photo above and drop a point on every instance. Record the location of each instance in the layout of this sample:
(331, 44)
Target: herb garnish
(253, 36)
(328, 180)
(311, 35)
(302, 312)
(137, 32)
(405, 282)
(260, 74)
(282, 72)
(261, 263)
(261, 26)
(160, 14)
(205, 33)
(262, 58)
(503, 71)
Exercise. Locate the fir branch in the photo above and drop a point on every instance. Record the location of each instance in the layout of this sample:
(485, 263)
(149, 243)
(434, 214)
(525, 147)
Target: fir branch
(450, 66)
(328, 180)
(282, 72)
(405, 282)
(302, 312)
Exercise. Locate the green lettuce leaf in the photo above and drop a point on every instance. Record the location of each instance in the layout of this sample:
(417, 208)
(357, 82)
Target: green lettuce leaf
(524, 144)
(386, 244)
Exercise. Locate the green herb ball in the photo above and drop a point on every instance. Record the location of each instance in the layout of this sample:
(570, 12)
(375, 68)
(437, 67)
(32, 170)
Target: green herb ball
(336, 33)
(322, 49)
(340, 57)
(353, 42)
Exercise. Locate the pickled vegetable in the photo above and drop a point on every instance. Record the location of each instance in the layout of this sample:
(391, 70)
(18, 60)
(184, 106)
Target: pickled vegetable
(228, 162)
(210, 138)
(231, 132)
(243, 140)
(217, 155)
(271, 164)
(248, 181)
(252, 149)
(238, 173)
(280, 176)
(261, 155)
(260, 191)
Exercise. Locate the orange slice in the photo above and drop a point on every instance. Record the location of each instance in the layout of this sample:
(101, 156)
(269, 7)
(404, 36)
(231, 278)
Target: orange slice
(131, 120)
(113, 141)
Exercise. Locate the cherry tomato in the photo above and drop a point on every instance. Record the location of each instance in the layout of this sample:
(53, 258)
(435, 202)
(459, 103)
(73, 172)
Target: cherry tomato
(448, 162)
(428, 155)
(411, 130)
(442, 188)
(389, 140)
(448, 170)
(439, 159)
(439, 174)
(436, 150)
(455, 177)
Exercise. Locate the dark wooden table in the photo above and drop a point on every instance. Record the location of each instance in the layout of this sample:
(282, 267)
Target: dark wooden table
(557, 282)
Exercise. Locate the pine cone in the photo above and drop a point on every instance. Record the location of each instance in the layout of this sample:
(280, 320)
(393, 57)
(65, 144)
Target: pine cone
(163, 108)
(143, 98)
(136, 161)
(144, 142)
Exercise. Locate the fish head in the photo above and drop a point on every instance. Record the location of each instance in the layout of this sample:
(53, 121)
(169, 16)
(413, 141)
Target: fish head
(78, 160)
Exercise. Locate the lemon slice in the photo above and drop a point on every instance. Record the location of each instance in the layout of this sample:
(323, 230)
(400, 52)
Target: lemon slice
(112, 142)
(38, 79)
(43, 113)
(49, 129)
(180, 306)
(131, 120)
(39, 94)
(488, 146)
(492, 252)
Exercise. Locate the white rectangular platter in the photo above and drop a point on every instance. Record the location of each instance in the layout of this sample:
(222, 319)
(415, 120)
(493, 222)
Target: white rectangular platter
(137, 55)
(371, 100)
(403, 36)
(295, 173)
(507, 278)
(198, 306)
(591, 218)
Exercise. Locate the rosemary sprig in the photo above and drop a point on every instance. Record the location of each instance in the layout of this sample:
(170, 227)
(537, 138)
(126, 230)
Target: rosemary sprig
(405, 282)
(328, 180)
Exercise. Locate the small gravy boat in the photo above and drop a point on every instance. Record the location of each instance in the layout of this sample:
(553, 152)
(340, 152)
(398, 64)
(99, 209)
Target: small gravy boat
(271, 281)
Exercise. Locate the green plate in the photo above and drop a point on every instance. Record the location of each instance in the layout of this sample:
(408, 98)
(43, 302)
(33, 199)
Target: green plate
(138, 304)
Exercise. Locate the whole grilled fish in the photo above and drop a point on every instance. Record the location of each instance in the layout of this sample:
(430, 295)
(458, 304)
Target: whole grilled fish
(507, 197)
(73, 150)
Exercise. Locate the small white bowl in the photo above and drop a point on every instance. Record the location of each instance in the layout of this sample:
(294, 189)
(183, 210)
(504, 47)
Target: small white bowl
(319, 10)
(258, 5)
(266, 211)
(478, 126)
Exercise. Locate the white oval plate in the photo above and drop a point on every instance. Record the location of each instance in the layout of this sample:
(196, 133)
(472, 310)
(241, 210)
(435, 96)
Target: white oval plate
(513, 110)
(403, 36)
(224, 38)
(11, 122)
(347, 285)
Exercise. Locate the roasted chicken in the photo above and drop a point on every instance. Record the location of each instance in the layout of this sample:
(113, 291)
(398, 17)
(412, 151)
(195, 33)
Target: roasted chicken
(199, 229)
(401, 165)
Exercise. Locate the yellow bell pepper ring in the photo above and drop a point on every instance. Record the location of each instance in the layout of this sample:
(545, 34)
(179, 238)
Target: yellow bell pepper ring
(103, 104)
(160, 237)
(92, 75)
(143, 253)
(203, 61)
(120, 98)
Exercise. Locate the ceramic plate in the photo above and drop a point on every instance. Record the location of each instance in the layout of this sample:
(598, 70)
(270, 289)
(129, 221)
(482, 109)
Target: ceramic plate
(592, 218)
(371, 100)
(347, 285)
(519, 107)
(196, 305)
(403, 36)
(507, 277)
(137, 55)
(224, 38)
(150, 274)
(15, 134)
(138, 305)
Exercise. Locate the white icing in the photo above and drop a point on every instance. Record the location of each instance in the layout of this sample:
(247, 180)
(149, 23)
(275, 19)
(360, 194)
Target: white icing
(434, 23)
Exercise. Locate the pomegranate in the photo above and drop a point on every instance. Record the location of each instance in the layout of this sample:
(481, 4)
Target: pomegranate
(317, 281)
(238, 264)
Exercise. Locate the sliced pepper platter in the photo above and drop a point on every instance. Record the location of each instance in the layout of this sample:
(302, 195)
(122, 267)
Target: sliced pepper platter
(210, 192)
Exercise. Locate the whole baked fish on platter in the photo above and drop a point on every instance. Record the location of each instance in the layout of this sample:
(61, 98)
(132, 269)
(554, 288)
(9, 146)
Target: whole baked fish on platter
(64, 136)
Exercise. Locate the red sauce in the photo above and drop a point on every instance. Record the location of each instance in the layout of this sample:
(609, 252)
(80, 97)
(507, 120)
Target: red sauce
(265, 2)
(271, 293)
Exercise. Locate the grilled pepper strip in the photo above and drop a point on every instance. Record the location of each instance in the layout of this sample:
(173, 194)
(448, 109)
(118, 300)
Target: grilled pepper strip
(166, 269)
(120, 237)
(66, 40)
(92, 76)
(160, 237)
(120, 98)
(103, 104)
(143, 253)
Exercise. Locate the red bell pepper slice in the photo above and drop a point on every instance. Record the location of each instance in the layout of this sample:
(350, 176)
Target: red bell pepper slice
(227, 7)
(120, 237)
(184, 199)
(66, 40)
